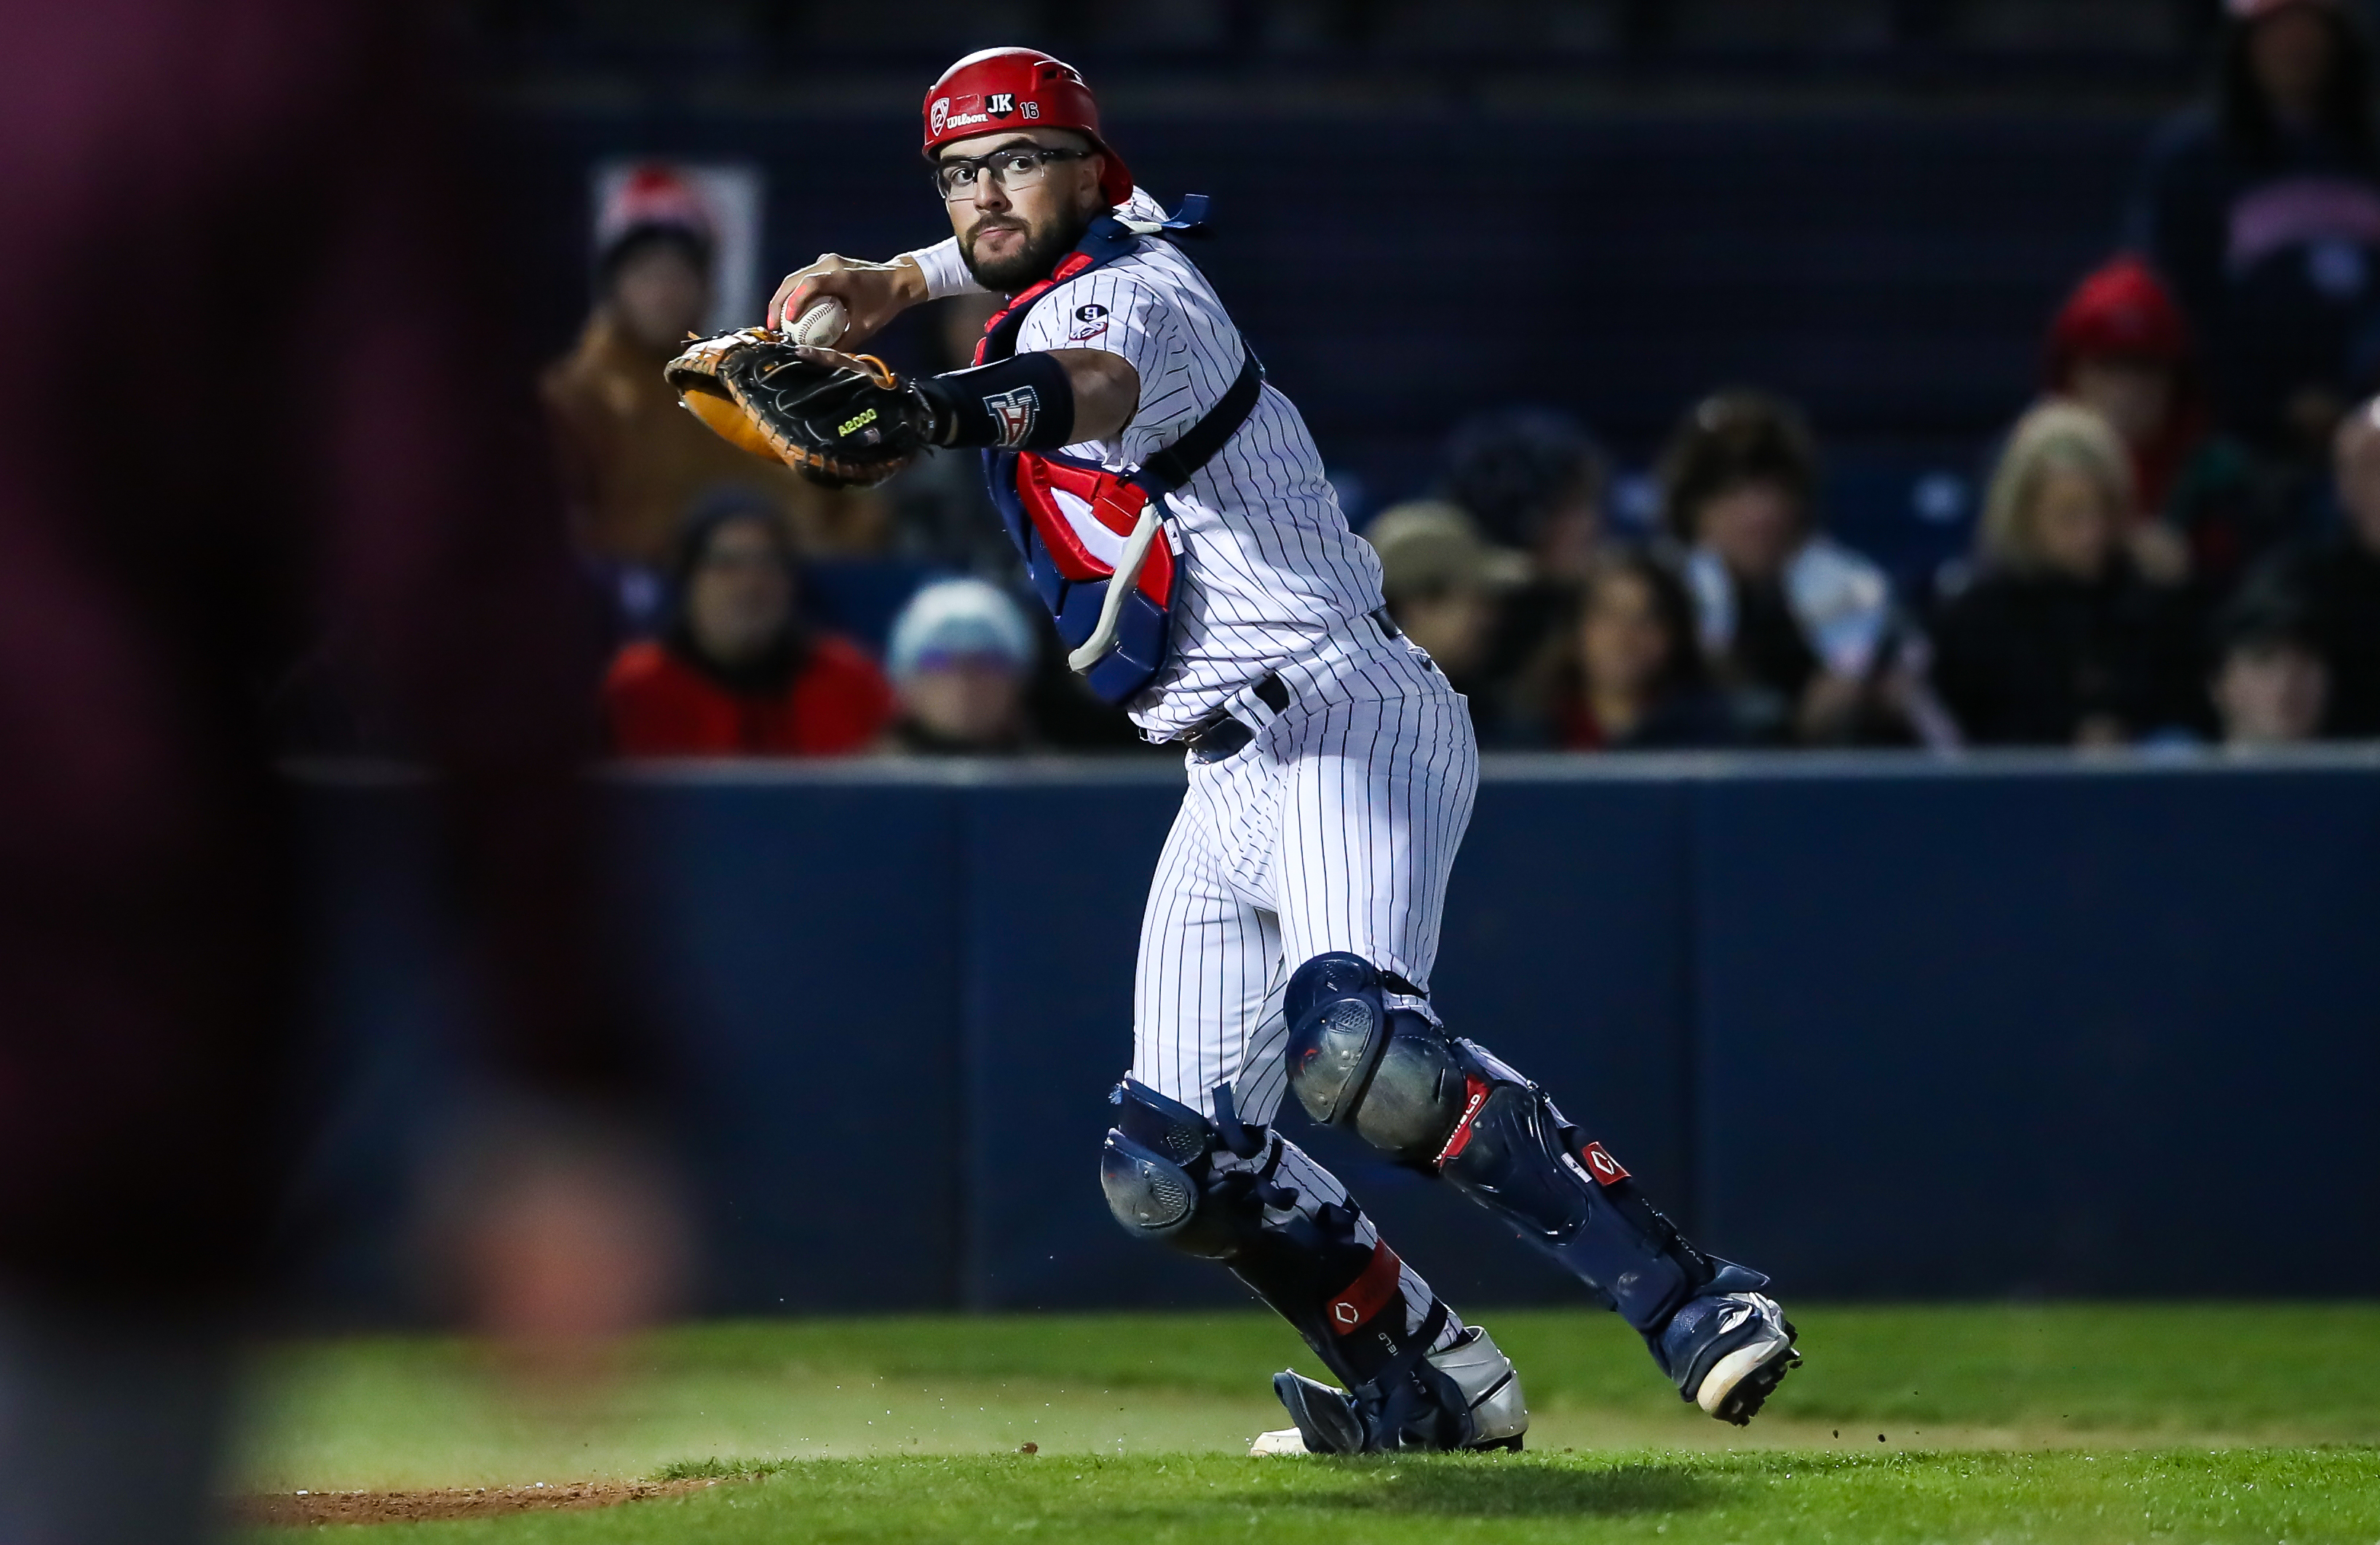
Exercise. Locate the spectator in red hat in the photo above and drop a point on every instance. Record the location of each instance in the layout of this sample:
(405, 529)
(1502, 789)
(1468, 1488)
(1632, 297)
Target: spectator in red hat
(2119, 345)
(2265, 214)
(737, 672)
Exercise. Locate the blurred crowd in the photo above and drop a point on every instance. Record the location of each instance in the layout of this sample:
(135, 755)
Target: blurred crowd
(2179, 541)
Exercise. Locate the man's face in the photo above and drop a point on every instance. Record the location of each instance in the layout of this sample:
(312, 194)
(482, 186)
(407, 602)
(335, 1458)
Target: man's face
(1011, 232)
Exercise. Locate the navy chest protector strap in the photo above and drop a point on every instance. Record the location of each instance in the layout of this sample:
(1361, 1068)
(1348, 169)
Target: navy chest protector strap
(1093, 539)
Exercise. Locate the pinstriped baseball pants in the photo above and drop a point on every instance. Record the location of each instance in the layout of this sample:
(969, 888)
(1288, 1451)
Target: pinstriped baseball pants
(1333, 830)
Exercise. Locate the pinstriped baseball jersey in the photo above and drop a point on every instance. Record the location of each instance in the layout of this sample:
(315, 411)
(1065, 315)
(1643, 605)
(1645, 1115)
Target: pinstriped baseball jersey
(1270, 568)
(1335, 828)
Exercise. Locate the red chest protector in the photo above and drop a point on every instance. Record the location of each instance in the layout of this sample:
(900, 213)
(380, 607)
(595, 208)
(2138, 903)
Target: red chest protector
(1093, 540)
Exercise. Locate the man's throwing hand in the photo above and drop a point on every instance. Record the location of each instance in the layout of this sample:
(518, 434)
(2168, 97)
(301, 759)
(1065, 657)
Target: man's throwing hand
(875, 293)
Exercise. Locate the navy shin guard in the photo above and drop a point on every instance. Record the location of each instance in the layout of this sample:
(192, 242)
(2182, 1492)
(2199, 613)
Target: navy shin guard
(1448, 1107)
(1214, 1189)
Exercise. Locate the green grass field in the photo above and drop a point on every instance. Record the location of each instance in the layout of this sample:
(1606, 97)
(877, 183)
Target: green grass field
(1940, 1423)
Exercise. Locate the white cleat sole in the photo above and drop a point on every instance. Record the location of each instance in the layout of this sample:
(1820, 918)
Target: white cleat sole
(1287, 1441)
(1732, 1371)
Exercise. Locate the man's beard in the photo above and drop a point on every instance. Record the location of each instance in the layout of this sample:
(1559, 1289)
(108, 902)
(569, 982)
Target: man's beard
(1034, 261)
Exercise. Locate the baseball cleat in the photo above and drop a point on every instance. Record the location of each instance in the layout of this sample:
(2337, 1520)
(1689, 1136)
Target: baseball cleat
(1727, 1350)
(1330, 1420)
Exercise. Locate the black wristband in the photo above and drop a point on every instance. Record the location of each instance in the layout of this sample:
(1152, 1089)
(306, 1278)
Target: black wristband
(1024, 403)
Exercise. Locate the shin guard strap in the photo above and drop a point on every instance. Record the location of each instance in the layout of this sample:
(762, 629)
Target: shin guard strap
(1380, 1287)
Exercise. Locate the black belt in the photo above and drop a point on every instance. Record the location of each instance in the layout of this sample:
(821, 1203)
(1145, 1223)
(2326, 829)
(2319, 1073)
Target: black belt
(1225, 734)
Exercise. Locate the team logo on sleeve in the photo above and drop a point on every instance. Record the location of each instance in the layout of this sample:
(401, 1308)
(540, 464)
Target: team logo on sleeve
(1014, 411)
(1090, 321)
(1001, 104)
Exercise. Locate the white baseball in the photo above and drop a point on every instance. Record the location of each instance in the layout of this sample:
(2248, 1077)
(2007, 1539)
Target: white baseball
(821, 323)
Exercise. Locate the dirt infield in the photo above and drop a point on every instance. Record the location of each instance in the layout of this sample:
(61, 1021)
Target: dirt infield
(286, 1508)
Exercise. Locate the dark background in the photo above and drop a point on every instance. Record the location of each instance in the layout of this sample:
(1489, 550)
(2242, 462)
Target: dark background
(1613, 206)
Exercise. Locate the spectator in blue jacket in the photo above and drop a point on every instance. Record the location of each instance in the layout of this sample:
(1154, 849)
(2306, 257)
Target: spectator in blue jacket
(2265, 214)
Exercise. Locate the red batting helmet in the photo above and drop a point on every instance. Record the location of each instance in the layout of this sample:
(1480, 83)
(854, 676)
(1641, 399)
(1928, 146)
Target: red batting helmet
(1018, 88)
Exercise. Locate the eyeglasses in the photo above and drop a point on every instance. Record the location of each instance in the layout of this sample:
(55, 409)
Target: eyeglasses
(1010, 166)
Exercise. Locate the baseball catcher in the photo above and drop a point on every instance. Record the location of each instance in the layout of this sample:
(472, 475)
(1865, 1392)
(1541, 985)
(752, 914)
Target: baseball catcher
(1172, 514)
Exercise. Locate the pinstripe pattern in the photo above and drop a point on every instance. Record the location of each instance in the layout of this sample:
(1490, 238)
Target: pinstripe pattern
(1269, 567)
(1333, 830)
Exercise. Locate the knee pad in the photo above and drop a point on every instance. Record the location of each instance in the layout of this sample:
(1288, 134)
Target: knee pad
(1388, 1074)
(1157, 1178)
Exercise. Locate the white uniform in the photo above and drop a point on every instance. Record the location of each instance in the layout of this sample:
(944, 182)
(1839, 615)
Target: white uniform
(1335, 828)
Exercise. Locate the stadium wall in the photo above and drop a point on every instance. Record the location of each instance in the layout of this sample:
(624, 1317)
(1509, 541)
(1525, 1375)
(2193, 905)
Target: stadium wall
(1881, 1026)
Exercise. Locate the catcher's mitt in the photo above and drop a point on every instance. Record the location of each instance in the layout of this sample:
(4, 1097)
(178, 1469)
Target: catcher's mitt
(839, 419)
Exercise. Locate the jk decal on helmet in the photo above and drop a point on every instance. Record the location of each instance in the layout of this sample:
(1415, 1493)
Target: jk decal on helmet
(1014, 412)
(1001, 103)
